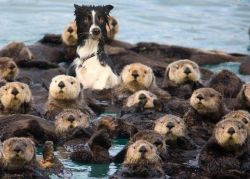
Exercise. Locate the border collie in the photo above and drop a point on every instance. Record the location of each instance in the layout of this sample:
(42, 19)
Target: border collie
(93, 67)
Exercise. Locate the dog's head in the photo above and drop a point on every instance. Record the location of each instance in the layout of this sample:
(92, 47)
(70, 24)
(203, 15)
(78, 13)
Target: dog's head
(91, 21)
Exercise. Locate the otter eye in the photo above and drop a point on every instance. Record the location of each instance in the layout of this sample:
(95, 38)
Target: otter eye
(145, 72)
(177, 67)
(80, 66)
(72, 82)
(22, 87)
(134, 147)
(6, 89)
(211, 95)
(151, 147)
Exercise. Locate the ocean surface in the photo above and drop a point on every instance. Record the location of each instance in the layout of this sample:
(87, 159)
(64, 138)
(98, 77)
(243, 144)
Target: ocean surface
(208, 24)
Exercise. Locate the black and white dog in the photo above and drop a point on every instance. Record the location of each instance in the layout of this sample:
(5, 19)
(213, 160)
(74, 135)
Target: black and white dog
(93, 68)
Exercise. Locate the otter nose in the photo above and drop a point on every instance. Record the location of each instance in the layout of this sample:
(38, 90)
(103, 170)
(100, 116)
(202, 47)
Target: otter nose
(231, 131)
(14, 91)
(96, 31)
(200, 97)
(170, 125)
(142, 97)
(17, 149)
(70, 29)
(187, 71)
(143, 149)
(113, 23)
(71, 118)
(61, 84)
(12, 66)
(135, 74)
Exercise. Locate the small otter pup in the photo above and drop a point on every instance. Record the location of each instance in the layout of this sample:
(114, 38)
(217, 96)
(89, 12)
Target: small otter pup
(65, 92)
(19, 159)
(15, 97)
(226, 154)
(242, 101)
(182, 78)
(8, 69)
(141, 161)
(112, 27)
(135, 77)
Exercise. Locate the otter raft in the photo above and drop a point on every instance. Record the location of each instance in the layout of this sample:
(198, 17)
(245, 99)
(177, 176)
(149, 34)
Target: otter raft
(132, 89)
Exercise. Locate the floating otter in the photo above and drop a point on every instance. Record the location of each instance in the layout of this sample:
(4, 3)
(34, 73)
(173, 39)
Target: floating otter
(69, 35)
(182, 78)
(226, 154)
(15, 97)
(8, 69)
(64, 92)
(112, 27)
(19, 159)
(135, 77)
(141, 161)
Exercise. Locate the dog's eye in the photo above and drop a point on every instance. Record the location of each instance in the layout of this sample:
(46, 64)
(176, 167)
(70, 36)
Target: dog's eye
(80, 66)
(100, 19)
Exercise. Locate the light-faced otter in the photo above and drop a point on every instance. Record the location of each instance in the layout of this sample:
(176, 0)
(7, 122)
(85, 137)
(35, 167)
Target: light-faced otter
(19, 159)
(182, 78)
(8, 69)
(226, 154)
(242, 100)
(135, 77)
(141, 161)
(15, 97)
(112, 27)
(227, 83)
(64, 92)
(69, 35)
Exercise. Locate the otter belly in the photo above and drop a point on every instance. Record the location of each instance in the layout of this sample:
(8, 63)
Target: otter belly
(96, 76)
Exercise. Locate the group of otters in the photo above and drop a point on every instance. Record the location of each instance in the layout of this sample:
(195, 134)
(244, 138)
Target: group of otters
(170, 126)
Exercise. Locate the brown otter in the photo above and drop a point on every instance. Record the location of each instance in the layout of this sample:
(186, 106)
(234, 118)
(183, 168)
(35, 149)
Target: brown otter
(226, 154)
(19, 159)
(141, 161)
(112, 27)
(8, 69)
(182, 78)
(15, 97)
(135, 77)
(65, 92)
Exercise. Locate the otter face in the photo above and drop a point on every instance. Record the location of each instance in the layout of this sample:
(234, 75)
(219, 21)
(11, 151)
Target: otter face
(112, 27)
(182, 71)
(8, 69)
(171, 127)
(240, 115)
(109, 123)
(141, 151)
(137, 73)
(69, 35)
(206, 100)
(70, 119)
(246, 88)
(64, 87)
(230, 133)
(13, 94)
(18, 151)
(139, 95)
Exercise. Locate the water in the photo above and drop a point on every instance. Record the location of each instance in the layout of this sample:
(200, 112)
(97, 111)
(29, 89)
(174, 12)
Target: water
(209, 24)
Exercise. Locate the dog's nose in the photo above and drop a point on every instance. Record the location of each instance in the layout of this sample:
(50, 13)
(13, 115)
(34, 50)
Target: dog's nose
(70, 29)
(200, 97)
(142, 97)
(143, 149)
(113, 23)
(231, 131)
(170, 125)
(12, 66)
(96, 31)
(14, 91)
(71, 118)
(187, 71)
(61, 84)
(135, 74)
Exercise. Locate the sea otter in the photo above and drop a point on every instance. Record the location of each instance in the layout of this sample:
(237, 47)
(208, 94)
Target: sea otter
(8, 69)
(112, 27)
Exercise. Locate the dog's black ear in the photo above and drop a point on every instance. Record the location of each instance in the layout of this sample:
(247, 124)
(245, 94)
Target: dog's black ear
(108, 8)
(77, 6)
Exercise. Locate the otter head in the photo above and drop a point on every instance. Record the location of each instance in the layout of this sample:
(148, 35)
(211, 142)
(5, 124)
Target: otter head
(141, 152)
(107, 122)
(69, 119)
(141, 95)
(244, 94)
(69, 35)
(112, 27)
(240, 115)
(63, 87)
(170, 127)
(230, 133)
(182, 71)
(206, 100)
(8, 69)
(17, 152)
(14, 94)
(137, 76)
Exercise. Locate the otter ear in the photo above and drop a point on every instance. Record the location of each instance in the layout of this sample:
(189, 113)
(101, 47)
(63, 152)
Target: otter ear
(108, 8)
